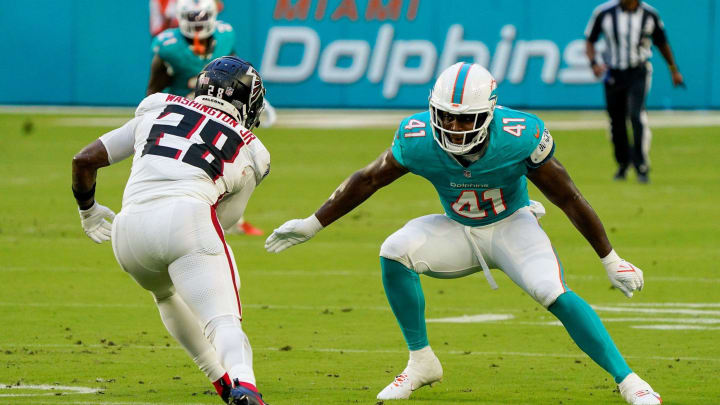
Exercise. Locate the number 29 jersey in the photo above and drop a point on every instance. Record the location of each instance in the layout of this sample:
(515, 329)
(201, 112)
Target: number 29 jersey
(184, 149)
(489, 189)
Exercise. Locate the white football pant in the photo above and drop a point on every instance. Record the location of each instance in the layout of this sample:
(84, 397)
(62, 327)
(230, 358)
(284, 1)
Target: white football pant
(175, 248)
(440, 247)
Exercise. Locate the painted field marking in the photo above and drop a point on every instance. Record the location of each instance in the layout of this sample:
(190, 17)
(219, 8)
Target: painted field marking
(677, 311)
(651, 278)
(673, 304)
(56, 390)
(472, 318)
(112, 403)
(676, 327)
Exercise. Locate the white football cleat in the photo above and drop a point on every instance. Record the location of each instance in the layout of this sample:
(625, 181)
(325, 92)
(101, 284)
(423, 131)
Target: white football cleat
(637, 392)
(423, 368)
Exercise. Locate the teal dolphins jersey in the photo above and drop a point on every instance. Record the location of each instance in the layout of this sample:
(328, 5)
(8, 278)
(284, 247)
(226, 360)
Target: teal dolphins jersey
(489, 189)
(172, 47)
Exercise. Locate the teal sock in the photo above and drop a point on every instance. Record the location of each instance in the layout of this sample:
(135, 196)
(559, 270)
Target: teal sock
(588, 332)
(405, 295)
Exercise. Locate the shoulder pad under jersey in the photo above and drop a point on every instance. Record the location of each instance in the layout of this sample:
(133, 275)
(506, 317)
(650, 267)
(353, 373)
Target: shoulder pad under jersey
(150, 103)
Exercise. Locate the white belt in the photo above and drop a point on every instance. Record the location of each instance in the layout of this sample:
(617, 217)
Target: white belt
(478, 254)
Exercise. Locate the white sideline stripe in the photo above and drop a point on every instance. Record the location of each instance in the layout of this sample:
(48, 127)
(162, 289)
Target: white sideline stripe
(651, 278)
(676, 327)
(361, 351)
(673, 304)
(472, 318)
(655, 310)
(300, 118)
(671, 320)
(708, 321)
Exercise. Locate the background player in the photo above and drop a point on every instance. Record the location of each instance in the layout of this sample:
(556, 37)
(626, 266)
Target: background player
(478, 158)
(195, 165)
(163, 16)
(181, 53)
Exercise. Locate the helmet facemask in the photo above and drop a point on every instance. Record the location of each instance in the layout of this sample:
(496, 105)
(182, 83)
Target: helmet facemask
(470, 138)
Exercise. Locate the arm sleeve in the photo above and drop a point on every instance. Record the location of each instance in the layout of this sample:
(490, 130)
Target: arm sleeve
(594, 27)
(120, 143)
(658, 35)
(543, 152)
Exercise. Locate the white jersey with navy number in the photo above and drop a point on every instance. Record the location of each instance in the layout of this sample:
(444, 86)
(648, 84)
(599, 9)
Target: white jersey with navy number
(184, 149)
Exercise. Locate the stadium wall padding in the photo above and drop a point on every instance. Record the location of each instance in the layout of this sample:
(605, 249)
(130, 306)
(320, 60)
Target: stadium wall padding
(351, 53)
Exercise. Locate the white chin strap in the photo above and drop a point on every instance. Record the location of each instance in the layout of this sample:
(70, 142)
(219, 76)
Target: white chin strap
(222, 105)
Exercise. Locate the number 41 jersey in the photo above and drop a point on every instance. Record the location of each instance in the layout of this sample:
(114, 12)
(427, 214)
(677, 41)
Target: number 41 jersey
(184, 148)
(492, 187)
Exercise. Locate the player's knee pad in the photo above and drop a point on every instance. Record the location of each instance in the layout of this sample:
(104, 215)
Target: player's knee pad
(222, 321)
(402, 246)
(546, 292)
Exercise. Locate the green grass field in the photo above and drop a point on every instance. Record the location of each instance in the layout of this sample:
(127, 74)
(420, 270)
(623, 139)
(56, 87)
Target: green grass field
(316, 314)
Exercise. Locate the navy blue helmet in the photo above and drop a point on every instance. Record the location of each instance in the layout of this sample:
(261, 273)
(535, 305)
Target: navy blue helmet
(235, 81)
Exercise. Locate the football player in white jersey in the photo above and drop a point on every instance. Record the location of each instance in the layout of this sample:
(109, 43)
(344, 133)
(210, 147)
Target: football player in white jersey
(195, 165)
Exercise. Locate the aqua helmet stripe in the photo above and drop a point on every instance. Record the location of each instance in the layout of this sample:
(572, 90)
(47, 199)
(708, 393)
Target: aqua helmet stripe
(459, 89)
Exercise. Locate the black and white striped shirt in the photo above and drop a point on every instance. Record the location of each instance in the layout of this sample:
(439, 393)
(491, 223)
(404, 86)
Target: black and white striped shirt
(628, 34)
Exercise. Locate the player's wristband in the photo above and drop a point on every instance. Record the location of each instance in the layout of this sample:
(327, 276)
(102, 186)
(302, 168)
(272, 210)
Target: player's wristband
(593, 63)
(84, 195)
(673, 68)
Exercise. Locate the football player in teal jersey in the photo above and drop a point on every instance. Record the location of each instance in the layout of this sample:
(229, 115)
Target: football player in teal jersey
(479, 157)
(181, 53)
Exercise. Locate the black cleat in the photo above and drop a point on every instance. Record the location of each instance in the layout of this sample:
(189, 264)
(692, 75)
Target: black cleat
(621, 174)
(224, 389)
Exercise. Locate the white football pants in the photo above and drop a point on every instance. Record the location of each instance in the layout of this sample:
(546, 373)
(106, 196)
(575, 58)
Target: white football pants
(175, 248)
(440, 247)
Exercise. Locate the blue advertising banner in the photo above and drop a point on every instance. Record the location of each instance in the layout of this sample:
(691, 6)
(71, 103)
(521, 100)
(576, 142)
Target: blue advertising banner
(352, 53)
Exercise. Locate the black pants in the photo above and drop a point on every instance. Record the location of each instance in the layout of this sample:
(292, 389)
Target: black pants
(625, 92)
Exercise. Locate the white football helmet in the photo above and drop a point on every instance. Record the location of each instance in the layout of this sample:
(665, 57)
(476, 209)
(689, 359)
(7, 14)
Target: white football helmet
(463, 88)
(197, 17)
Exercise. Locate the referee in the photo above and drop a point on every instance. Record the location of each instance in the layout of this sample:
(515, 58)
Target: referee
(628, 26)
